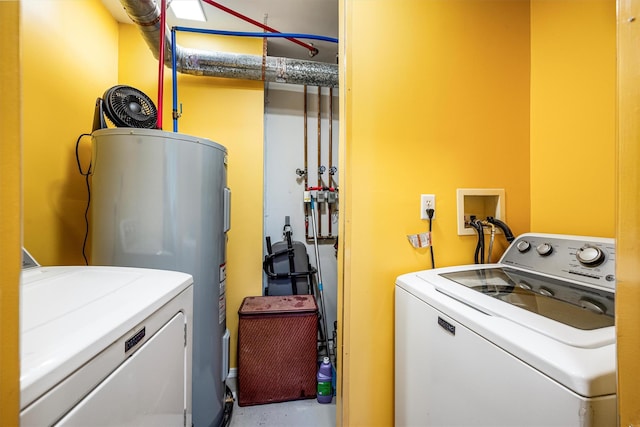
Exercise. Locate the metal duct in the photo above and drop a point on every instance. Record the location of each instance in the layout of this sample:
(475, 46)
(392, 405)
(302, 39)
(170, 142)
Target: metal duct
(146, 15)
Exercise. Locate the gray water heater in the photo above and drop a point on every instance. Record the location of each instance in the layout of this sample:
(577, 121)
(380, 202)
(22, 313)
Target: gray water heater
(160, 200)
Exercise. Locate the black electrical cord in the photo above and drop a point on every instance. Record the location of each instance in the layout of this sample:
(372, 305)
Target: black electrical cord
(430, 213)
(478, 256)
(228, 408)
(86, 211)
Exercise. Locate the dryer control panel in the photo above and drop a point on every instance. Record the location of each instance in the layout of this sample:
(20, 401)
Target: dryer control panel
(589, 260)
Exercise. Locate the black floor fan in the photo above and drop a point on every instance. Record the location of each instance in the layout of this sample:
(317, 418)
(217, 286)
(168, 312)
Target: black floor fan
(125, 106)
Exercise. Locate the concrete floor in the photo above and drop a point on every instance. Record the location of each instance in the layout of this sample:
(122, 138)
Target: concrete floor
(296, 413)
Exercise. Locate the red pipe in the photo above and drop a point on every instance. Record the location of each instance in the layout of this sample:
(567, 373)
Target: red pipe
(322, 188)
(163, 20)
(312, 49)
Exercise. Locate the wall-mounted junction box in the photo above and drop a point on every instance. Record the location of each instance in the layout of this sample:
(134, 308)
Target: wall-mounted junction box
(478, 203)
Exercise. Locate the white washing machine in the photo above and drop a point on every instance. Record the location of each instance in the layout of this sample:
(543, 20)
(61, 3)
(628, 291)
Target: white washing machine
(528, 341)
(105, 346)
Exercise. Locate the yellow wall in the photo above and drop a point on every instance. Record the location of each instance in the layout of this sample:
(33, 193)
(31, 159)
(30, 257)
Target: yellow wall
(628, 221)
(10, 211)
(573, 117)
(437, 98)
(229, 112)
(345, 109)
(430, 87)
(73, 51)
(69, 54)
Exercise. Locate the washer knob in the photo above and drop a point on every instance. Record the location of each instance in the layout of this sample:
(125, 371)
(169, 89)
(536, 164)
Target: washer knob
(592, 305)
(590, 256)
(524, 285)
(544, 249)
(523, 246)
(546, 292)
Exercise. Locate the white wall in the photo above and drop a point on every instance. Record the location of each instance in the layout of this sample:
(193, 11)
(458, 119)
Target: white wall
(284, 153)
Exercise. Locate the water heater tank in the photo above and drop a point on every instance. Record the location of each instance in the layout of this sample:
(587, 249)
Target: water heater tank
(160, 200)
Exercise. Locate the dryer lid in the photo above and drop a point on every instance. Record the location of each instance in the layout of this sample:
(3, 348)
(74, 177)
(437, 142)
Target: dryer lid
(68, 315)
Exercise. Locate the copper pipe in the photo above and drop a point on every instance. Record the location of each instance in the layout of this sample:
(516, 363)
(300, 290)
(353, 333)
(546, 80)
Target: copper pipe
(306, 151)
(306, 174)
(331, 180)
(319, 156)
(330, 208)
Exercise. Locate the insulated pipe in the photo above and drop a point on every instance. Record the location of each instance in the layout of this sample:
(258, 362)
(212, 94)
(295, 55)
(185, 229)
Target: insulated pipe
(173, 45)
(254, 34)
(146, 15)
(312, 50)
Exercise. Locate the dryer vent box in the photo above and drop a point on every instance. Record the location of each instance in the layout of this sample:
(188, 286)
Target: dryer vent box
(478, 203)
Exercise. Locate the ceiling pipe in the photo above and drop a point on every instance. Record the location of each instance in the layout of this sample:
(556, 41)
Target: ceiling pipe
(146, 15)
(312, 50)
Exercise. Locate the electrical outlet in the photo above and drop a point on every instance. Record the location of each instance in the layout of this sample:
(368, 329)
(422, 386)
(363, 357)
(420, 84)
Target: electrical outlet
(427, 201)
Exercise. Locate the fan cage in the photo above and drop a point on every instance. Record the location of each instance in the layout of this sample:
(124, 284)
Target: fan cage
(126, 106)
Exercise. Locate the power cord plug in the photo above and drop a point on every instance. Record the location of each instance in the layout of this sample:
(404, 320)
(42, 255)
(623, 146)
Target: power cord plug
(430, 213)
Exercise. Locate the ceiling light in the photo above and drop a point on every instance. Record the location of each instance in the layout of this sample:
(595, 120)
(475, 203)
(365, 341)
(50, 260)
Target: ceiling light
(188, 9)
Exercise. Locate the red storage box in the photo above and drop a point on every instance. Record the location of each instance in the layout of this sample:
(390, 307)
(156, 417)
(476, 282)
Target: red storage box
(277, 349)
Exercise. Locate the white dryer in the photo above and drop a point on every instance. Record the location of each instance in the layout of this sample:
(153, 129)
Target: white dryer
(529, 341)
(105, 346)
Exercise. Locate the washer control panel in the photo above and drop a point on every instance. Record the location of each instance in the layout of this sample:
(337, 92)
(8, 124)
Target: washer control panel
(584, 259)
